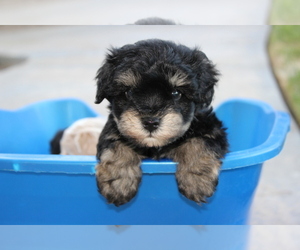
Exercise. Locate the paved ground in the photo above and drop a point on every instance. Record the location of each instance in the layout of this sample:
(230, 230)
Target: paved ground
(62, 62)
(118, 12)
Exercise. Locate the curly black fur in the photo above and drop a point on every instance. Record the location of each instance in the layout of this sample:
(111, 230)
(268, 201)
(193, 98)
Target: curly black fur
(171, 87)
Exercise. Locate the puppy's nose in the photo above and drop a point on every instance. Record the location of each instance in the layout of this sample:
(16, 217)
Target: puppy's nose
(151, 123)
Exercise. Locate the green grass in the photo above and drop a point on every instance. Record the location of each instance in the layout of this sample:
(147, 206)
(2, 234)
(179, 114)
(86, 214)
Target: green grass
(294, 90)
(285, 12)
(284, 52)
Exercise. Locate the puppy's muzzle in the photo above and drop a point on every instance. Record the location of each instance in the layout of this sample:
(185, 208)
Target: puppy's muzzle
(151, 123)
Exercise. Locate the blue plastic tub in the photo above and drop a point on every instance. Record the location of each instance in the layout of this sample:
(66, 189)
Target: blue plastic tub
(39, 188)
(137, 237)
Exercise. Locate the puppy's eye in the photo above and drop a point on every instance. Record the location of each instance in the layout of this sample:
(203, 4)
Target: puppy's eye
(128, 94)
(176, 95)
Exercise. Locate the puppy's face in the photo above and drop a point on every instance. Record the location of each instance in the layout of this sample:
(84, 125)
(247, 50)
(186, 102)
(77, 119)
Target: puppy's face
(154, 88)
(153, 111)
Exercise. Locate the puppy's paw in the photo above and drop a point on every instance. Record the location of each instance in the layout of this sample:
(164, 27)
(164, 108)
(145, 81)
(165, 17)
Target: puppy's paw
(197, 171)
(196, 186)
(118, 174)
(117, 189)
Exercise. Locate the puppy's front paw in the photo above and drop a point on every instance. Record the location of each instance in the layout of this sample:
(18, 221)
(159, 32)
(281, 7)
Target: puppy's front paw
(197, 171)
(118, 188)
(196, 186)
(118, 174)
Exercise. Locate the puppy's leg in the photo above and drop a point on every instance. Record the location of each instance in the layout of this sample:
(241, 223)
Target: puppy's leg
(118, 173)
(197, 170)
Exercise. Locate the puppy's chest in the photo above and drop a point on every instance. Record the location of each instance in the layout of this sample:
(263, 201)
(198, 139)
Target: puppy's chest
(152, 153)
(158, 153)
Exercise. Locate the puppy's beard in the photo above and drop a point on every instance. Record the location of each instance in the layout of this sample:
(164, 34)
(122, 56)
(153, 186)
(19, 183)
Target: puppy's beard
(172, 126)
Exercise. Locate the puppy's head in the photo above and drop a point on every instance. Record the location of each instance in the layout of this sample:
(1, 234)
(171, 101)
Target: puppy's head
(155, 88)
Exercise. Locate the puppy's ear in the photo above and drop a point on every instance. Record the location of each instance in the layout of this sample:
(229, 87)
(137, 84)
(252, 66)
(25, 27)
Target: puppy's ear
(207, 98)
(207, 77)
(102, 82)
(100, 95)
(105, 76)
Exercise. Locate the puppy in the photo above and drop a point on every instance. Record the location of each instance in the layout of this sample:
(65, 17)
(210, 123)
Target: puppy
(160, 95)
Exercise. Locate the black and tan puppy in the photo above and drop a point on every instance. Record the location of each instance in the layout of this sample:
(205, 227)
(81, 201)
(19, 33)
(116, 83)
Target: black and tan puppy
(160, 95)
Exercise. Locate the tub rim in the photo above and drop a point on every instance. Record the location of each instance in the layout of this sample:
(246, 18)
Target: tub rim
(71, 164)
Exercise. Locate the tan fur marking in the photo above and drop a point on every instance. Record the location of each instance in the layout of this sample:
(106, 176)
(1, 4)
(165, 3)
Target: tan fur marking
(178, 79)
(170, 128)
(128, 78)
(131, 126)
(197, 171)
(119, 174)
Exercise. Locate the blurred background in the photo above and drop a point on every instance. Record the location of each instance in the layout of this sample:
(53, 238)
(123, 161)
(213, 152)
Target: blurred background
(117, 12)
(52, 49)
